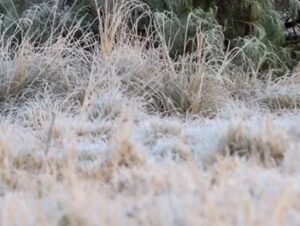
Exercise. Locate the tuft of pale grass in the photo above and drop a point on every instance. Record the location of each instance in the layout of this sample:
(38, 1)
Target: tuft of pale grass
(206, 95)
(282, 94)
(125, 152)
(267, 147)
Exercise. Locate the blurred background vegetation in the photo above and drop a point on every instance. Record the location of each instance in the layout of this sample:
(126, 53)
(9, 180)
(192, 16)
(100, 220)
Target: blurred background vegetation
(265, 30)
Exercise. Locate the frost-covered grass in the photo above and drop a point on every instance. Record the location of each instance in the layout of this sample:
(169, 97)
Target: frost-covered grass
(126, 136)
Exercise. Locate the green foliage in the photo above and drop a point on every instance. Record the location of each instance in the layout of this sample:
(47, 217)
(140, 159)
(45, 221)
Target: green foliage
(21, 19)
(294, 9)
(178, 21)
(179, 31)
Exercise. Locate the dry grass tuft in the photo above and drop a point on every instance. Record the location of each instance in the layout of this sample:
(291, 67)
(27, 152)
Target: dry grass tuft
(126, 152)
(283, 94)
(4, 152)
(70, 220)
(266, 147)
(28, 162)
(206, 95)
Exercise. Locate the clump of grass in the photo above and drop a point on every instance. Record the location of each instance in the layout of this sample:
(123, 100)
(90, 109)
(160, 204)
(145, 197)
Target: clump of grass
(31, 72)
(4, 151)
(267, 148)
(28, 162)
(281, 94)
(206, 95)
(125, 153)
(7, 175)
(126, 156)
(70, 220)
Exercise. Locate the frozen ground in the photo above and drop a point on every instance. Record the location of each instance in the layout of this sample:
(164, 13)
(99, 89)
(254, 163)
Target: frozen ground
(125, 139)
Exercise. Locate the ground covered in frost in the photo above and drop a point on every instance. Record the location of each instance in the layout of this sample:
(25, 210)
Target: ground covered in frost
(127, 138)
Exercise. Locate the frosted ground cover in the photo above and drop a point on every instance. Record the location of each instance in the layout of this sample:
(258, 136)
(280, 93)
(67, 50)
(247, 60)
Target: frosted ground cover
(131, 137)
(149, 171)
